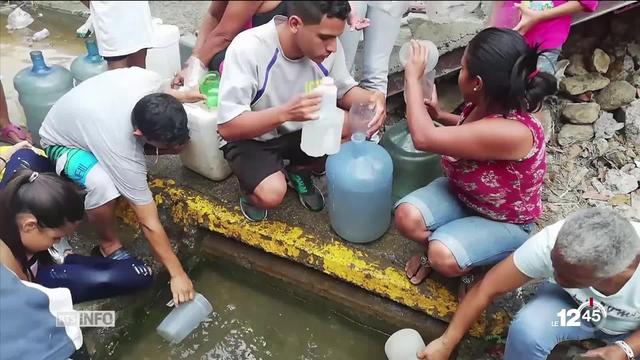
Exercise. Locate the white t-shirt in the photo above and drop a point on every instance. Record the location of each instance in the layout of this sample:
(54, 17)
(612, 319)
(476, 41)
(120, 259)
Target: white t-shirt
(257, 76)
(533, 259)
(96, 116)
(122, 27)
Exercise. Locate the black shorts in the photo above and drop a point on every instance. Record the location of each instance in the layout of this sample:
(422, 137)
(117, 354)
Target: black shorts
(253, 161)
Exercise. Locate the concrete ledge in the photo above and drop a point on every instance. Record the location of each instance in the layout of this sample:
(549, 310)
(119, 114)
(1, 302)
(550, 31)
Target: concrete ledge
(298, 235)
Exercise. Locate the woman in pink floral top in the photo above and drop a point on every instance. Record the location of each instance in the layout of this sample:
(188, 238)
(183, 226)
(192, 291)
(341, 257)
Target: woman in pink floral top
(493, 157)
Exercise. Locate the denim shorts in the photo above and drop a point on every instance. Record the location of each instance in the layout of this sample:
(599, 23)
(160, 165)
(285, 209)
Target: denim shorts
(548, 60)
(472, 239)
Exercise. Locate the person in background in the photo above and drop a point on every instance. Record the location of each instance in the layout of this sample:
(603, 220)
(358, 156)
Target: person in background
(222, 22)
(381, 23)
(264, 103)
(97, 135)
(592, 257)
(547, 24)
(124, 31)
(9, 132)
(493, 157)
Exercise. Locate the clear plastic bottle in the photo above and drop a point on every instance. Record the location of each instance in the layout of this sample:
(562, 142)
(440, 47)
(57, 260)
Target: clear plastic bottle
(39, 87)
(322, 136)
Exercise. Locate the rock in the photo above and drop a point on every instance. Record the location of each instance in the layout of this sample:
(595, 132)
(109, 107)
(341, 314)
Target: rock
(581, 113)
(632, 123)
(633, 49)
(636, 79)
(621, 69)
(635, 173)
(615, 95)
(601, 146)
(600, 61)
(576, 66)
(606, 126)
(618, 158)
(577, 85)
(546, 120)
(561, 68)
(571, 133)
(619, 182)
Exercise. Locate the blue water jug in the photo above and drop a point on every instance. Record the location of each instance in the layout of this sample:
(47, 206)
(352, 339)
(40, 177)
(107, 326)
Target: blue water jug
(92, 64)
(39, 87)
(359, 178)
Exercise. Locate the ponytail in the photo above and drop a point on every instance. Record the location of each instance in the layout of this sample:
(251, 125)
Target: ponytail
(507, 66)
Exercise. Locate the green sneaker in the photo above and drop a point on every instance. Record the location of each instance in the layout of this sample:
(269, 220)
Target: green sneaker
(309, 194)
(251, 212)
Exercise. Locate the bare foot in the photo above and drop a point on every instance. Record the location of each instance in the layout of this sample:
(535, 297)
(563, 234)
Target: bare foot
(415, 269)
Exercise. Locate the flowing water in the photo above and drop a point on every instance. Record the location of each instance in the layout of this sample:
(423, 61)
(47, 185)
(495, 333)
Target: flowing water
(255, 317)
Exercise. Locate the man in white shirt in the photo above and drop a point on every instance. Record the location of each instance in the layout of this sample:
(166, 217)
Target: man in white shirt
(591, 263)
(268, 71)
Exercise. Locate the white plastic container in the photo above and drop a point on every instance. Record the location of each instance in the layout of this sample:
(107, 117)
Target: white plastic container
(202, 153)
(182, 320)
(322, 136)
(404, 345)
(164, 56)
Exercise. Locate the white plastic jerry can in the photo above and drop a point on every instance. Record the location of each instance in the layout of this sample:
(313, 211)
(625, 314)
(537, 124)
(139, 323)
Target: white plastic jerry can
(202, 153)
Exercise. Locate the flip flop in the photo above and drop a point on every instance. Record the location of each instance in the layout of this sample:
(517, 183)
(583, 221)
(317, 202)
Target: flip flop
(5, 134)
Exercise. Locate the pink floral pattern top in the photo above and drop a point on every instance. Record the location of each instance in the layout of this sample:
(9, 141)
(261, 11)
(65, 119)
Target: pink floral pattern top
(502, 190)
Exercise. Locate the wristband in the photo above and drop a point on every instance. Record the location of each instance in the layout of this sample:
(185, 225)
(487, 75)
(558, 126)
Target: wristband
(626, 348)
(3, 160)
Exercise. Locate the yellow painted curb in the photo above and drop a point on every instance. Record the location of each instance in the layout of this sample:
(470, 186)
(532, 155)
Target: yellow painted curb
(334, 258)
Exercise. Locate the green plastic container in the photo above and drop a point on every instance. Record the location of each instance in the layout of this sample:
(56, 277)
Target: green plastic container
(92, 64)
(209, 86)
(412, 169)
(39, 87)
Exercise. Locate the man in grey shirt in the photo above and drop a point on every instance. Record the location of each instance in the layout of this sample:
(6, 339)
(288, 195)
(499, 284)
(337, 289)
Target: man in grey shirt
(97, 135)
(264, 101)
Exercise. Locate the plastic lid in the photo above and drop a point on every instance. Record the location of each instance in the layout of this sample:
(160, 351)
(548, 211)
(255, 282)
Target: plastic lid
(433, 54)
(327, 80)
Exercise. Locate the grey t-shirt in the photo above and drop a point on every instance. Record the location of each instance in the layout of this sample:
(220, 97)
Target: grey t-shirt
(257, 76)
(96, 116)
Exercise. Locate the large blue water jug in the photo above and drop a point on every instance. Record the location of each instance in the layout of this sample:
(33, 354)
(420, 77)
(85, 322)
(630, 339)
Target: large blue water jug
(92, 64)
(359, 178)
(39, 87)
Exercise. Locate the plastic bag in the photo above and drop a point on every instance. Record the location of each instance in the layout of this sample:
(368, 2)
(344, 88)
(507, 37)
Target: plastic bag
(18, 19)
(194, 72)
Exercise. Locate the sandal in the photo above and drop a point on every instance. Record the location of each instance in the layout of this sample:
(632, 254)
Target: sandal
(420, 273)
(20, 133)
(467, 281)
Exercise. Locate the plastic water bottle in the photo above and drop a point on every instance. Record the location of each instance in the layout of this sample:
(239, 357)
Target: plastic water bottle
(92, 64)
(322, 136)
(404, 345)
(39, 87)
(182, 320)
(412, 169)
(202, 153)
(359, 179)
(209, 87)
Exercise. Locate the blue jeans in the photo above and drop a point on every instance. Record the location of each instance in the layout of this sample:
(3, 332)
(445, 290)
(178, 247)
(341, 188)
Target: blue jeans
(547, 61)
(531, 334)
(472, 239)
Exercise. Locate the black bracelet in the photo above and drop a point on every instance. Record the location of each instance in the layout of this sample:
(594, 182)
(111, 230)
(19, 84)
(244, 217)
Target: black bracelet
(3, 160)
